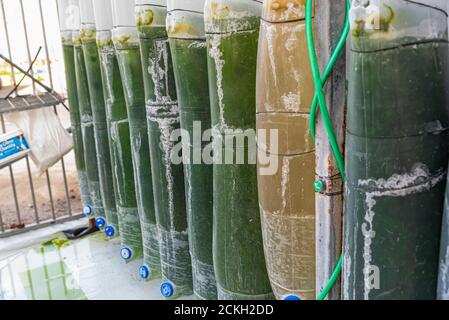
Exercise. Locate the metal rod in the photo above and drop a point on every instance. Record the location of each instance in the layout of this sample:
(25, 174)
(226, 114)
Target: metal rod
(8, 43)
(44, 32)
(33, 195)
(50, 193)
(2, 227)
(14, 191)
(329, 203)
(27, 41)
(66, 187)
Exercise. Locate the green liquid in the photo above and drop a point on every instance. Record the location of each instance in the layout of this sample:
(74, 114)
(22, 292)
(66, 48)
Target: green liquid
(75, 117)
(238, 247)
(190, 67)
(168, 178)
(87, 128)
(396, 160)
(131, 74)
(121, 152)
(92, 61)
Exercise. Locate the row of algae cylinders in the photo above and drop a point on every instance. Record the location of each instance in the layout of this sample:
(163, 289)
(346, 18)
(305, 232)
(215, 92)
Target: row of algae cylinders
(160, 93)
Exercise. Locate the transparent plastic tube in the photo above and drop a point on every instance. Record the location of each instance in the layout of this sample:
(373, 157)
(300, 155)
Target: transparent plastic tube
(168, 177)
(102, 143)
(396, 149)
(232, 32)
(188, 48)
(128, 57)
(75, 116)
(285, 93)
(95, 208)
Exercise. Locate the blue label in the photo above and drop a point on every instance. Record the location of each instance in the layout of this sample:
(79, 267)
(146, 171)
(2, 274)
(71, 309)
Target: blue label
(13, 146)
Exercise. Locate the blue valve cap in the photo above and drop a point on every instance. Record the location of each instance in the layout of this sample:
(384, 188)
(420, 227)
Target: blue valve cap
(144, 272)
(291, 297)
(167, 289)
(126, 253)
(109, 231)
(100, 222)
(87, 210)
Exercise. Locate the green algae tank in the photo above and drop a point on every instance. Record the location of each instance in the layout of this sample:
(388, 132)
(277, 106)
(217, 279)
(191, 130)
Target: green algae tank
(396, 149)
(168, 176)
(127, 51)
(118, 125)
(232, 32)
(187, 39)
(95, 207)
(102, 143)
(75, 117)
(285, 93)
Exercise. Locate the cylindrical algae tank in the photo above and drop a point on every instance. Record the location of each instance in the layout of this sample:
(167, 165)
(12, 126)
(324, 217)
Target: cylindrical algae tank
(163, 122)
(232, 32)
(118, 125)
(126, 44)
(92, 60)
(185, 25)
(285, 93)
(396, 149)
(66, 10)
(95, 207)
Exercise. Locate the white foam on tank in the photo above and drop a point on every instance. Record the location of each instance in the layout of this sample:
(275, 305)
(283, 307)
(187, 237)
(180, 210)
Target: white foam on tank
(270, 32)
(292, 101)
(285, 181)
(166, 126)
(398, 185)
(158, 69)
(217, 56)
(203, 275)
(444, 276)
(346, 268)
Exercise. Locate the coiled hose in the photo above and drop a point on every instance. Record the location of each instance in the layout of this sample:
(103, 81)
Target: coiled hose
(320, 100)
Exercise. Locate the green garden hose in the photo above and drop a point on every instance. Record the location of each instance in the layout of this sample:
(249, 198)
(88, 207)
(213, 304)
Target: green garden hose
(321, 100)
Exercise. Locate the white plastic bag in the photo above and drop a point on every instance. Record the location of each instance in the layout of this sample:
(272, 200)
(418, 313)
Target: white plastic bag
(46, 136)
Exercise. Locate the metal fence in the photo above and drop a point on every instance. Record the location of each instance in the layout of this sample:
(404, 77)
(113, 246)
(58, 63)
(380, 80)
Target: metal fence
(53, 176)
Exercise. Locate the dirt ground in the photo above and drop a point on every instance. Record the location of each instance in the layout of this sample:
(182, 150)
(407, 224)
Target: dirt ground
(23, 187)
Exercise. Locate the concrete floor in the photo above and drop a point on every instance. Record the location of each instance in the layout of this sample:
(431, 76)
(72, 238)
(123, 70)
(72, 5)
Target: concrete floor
(90, 268)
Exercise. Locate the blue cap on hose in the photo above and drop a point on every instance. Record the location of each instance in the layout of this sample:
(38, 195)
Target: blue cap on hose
(144, 272)
(126, 253)
(167, 290)
(100, 222)
(109, 231)
(87, 210)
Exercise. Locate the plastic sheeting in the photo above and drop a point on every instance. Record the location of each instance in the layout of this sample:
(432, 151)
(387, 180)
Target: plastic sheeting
(232, 31)
(285, 92)
(396, 149)
(102, 143)
(189, 54)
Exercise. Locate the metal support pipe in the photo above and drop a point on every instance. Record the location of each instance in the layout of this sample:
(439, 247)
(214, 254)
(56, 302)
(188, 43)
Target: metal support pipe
(330, 16)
